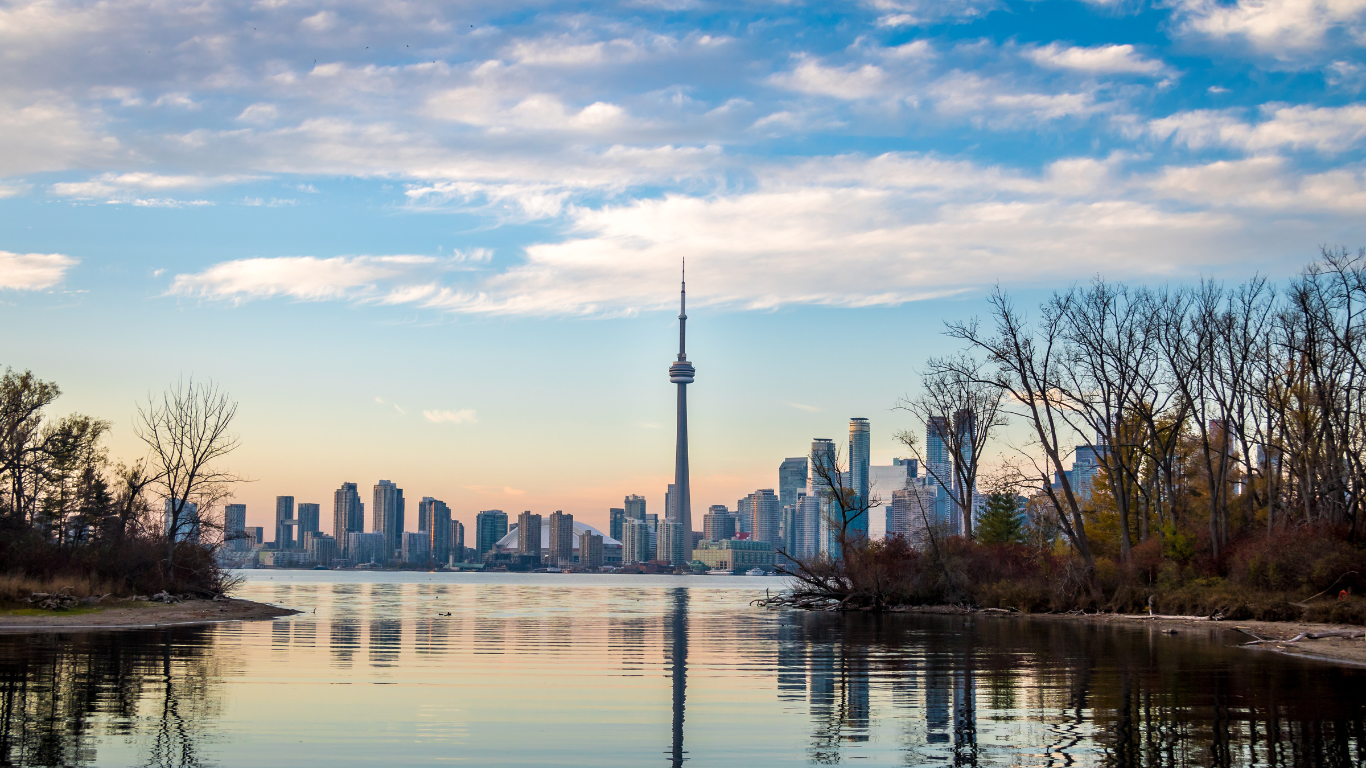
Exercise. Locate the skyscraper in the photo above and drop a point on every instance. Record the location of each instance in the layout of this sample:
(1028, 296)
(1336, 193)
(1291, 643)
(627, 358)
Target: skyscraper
(434, 519)
(824, 472)
(682, 373)
(458, 540)
(590, 549)
(235, 527)
(859, 454)
(529, 534)
(939, 464)
(284, 522)
(791, 479)
(309, 517)
(489, 526)
(965, 430)
(561, 550)
(718, 526)
(635, 507)
(767, 514)
(670, 502)
(386, 516)
(348, 515)
(614, 517)
(671, 543)
(635, 541)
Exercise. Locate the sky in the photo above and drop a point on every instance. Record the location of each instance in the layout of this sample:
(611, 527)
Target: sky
(439, 243)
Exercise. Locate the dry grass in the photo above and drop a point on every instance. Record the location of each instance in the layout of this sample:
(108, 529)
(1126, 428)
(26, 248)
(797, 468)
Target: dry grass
(16, 588)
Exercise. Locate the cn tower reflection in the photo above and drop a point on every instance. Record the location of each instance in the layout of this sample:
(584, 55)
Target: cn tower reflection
(677, 629)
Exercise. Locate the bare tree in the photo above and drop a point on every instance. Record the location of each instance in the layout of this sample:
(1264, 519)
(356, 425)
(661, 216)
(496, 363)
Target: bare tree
(187, 434)
(961, 404)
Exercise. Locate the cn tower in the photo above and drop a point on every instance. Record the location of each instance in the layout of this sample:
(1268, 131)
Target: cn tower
(681, 373)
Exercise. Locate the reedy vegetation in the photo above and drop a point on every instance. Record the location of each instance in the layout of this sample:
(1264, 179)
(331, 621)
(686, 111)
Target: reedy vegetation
(72, 517)
(1229, 424)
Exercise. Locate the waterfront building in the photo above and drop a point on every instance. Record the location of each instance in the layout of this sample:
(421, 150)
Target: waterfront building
(735, 555)
(824, 471)
(939, 463)
(457, 549)
(256, 537)
(635, 542)
(767, 516)
(652, 522)
(365, 548)
(511, 545)
(807, 527)
(490, 526)
(791, 479)
(561, 539)
(434, 519)
(416, 548)
(235, 527)
(672, 544)
(188, 529)
(744, 515)
(590, 549)
(308, 516)
(635, 507)
(321, 548)
(965, 429)
(681, 373)
(348, 514)
(387, 516)
(717, 526)
(860, 448)
(529, 534)
(615, 515)
(284, 523)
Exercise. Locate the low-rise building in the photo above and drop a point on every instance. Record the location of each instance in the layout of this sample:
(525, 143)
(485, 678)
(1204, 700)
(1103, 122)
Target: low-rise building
(737, 555)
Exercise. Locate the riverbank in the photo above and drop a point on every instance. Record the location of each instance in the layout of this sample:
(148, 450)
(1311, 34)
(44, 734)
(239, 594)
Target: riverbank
(131, 615)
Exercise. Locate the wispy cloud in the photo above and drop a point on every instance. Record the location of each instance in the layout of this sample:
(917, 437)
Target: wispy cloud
(462, 416)
(802, 407)
(33, 271)
(1107, 59)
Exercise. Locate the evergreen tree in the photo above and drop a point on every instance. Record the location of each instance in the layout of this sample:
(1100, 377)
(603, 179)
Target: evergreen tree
(1001, 521)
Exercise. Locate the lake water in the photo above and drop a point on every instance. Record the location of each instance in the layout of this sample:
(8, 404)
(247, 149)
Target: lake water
(562, 670)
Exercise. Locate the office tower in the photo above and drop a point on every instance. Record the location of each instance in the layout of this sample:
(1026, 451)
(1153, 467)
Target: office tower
(767, 515)
(529, 534)
(188, 527)
(348, 514)
(887, 479)
(859, 455)
(635, 507)
(489, 526)
(939, 464)
(682, 373)
(386, 516)
(671, 543)
(614, 516)
(235, 527)
(652, 523)
(308, 516)
(807, 526)
(912, 466)
(635, 541)
(824, 472)
(256, 536)
(718, 526)
(321, 548)
(365, 547)
(434, 519)
(965, 429)
(590, 549)
(744, 516)
(912, 510)
(791, 479)
(670, 512)
(284, 522)
(457, 545)
(416, 547)
(561, 549)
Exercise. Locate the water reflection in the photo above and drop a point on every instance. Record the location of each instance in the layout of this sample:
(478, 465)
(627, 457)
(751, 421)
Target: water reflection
(540, 673)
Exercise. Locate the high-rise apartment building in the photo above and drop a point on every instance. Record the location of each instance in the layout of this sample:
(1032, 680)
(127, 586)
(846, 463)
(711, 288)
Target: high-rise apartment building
(912, 510)
(284, 523)
(184, 528)
(614, 517)
(824, 472)
(965, 429)
(939, 464)
(635, 541)
(529, 534)
(590, 549)
(348, 514)
(860, 453)
(309, 517)
(415, 548)
(366, 548)
(670, 500)
(806, 527)
(256, 535)
(767, 514)
(791, 479)
(672, 548)
(434, 519)
(718, 526)
(321, 548)
(386, 516)
(744, 516)
(635, 507)
(489, 526)
(561, 549)
(235, 527)
(457, 541)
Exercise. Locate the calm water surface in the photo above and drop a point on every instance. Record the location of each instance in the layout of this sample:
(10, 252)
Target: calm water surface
(652, 671)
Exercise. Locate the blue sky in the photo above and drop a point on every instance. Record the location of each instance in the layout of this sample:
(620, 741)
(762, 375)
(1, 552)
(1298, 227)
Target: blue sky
(439, 243)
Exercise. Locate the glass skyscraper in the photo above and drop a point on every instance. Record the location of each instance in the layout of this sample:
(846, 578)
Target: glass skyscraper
(860, 453)
(348, 515)
(387, 516)
(489, 526)
(791, 479)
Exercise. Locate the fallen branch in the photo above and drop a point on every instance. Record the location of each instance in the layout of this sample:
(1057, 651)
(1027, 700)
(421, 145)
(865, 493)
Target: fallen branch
(1350, 634)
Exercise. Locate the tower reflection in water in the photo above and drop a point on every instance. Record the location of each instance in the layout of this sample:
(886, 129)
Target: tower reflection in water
(526, 673)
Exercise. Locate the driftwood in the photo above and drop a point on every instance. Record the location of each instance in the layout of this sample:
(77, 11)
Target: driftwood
(1350, 634)
(1174, 618)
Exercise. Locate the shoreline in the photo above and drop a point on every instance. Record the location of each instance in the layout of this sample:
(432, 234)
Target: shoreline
(1275, 635)
(142, 615)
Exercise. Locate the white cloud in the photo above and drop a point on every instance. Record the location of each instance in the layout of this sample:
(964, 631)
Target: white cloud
(910, 13)
(810, 76)
(259, 113)
(1327, 130)
(125, 187)
(1102, 59)
(1003, 104)
(306, 278)
(1282, 28)
(33, 271)
(462, 416)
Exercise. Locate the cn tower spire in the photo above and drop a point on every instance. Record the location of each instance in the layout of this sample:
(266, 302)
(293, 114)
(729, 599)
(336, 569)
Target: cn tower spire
(682, 373)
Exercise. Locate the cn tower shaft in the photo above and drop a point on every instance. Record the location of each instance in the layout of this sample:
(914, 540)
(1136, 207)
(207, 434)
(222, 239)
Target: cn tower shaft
(682, 373)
